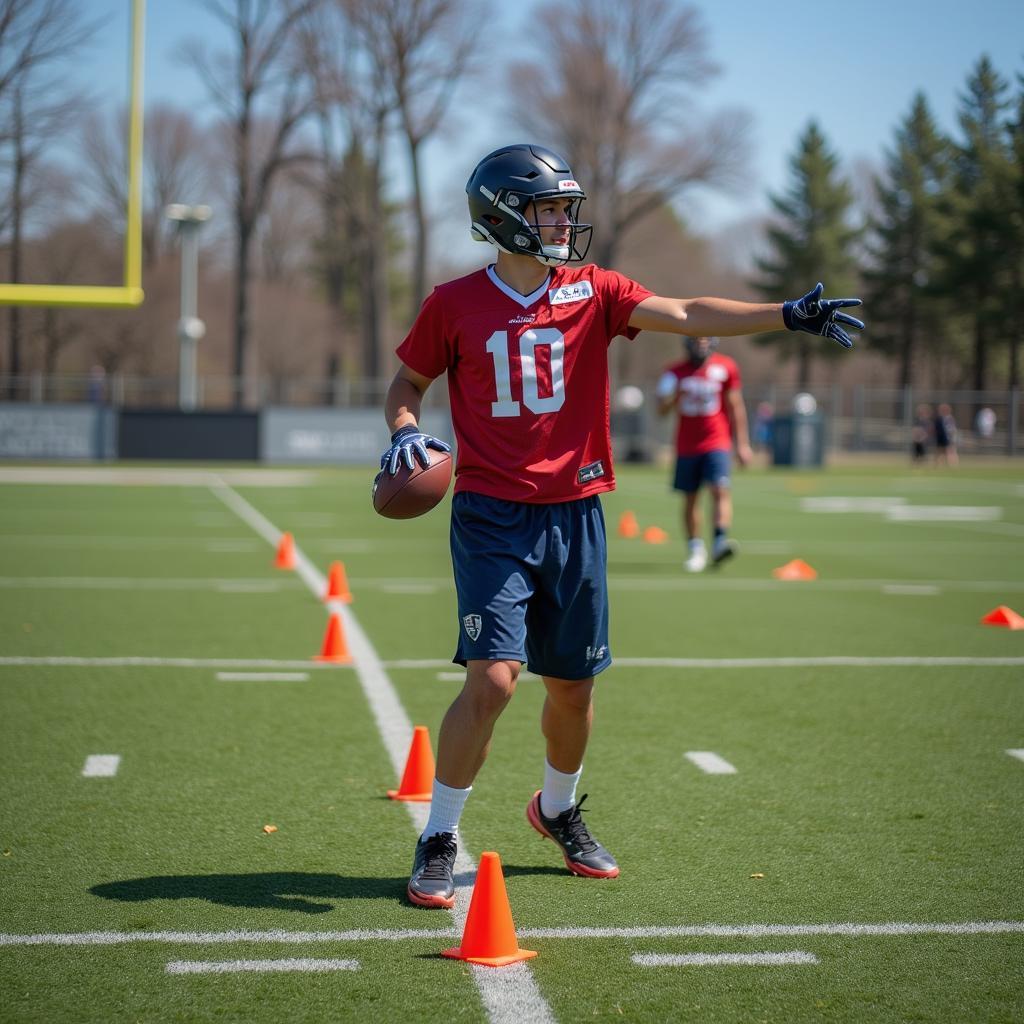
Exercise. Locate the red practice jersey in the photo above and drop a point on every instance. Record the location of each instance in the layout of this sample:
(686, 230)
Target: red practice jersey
(703, 420)
(527, 378)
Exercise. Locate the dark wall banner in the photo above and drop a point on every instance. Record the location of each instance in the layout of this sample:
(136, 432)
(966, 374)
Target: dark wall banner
(354, 436)
(36, 431)
(172, 434)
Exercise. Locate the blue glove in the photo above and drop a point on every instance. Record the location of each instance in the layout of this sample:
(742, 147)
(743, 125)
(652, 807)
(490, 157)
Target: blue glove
(816, 315)
(404, 442)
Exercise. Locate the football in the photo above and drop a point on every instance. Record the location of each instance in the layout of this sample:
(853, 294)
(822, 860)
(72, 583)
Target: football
(411, 492)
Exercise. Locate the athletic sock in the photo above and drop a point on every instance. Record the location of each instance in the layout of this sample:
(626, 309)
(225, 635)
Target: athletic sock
(720, 531)
(445, 809)
(559, 792)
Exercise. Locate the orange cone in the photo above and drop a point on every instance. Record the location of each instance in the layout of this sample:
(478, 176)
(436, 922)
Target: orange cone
(337, 584)
(628, 526)
(1004, 616)
(285, 552)
(655, 535)
(418, 778)
(334, 648)
(798, 569)
(489, 937)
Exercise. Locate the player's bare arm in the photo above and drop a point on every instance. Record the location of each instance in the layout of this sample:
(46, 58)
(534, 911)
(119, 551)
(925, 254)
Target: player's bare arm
(728, 317)
(405, 398)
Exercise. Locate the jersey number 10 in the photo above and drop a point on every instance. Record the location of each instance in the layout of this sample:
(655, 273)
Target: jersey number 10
(529, 342)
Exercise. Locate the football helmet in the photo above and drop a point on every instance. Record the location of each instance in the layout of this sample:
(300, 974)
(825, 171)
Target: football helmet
(699, 348)
(504, 184)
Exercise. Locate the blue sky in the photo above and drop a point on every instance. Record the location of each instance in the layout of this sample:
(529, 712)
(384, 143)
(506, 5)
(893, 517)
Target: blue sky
(853, 66)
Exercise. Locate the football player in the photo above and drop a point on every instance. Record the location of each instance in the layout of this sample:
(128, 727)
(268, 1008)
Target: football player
(704, 391)
(524, 342)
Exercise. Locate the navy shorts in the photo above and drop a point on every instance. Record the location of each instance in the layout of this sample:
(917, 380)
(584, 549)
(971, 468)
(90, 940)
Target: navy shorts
(532, 584)
(708, 468)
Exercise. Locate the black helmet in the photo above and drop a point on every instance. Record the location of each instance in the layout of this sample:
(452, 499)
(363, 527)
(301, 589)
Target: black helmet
(504, 183)
(697, 352)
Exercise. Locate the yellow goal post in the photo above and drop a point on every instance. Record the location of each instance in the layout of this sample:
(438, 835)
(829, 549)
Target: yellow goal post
(130, 293)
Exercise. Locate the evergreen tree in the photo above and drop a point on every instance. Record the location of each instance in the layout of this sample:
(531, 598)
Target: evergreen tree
(905, 236)
(811, 241)
(973, 265)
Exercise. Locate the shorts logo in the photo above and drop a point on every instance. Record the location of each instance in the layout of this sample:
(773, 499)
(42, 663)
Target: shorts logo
(576, 292)
(472, 624)
(596, 653)
(591, 472)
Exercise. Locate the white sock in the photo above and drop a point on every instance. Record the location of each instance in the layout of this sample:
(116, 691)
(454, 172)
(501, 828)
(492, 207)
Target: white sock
(445, 809)
(559, 792)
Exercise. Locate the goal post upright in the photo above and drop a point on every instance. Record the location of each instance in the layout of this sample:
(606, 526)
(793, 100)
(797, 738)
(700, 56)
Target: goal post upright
(130, 292)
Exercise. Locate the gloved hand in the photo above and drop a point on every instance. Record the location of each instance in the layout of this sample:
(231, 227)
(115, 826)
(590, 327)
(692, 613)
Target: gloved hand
(816, 315)
(404, 442)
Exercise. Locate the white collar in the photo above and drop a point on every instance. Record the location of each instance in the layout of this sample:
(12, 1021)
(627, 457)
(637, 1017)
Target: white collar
(524, 300)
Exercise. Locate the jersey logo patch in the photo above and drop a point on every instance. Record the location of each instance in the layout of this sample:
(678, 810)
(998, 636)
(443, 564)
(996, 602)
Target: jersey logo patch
(591, 472)
(472, 624)
(571, 293)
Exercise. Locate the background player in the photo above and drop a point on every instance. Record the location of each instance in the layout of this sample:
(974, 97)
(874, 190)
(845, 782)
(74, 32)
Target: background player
(525, 345)
(704, 390)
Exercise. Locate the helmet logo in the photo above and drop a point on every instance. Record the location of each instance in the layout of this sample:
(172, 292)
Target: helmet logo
(512, 199)
(567, 184)
(522, 240)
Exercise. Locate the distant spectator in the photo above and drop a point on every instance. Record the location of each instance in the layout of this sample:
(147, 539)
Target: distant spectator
(985, 423)
(920, 432)
(764, 426)
(945, 436)
(97, 385)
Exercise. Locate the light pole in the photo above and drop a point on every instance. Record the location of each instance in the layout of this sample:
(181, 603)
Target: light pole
(190, 327)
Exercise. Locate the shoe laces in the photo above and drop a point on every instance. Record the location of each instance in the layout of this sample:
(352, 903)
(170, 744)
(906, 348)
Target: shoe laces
(438, 855)
(570, 824)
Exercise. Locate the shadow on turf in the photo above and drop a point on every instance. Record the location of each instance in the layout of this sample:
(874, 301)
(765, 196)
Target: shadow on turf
(274, 890)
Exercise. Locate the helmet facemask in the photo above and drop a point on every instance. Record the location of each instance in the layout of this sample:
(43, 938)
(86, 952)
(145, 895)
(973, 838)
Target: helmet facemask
(505, 227)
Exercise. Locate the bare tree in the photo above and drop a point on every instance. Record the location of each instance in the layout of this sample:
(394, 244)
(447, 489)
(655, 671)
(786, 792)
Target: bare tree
(34, 34)
(354, 106)
(263, 98)
(612, 86)
(174, 163)
(422, 49)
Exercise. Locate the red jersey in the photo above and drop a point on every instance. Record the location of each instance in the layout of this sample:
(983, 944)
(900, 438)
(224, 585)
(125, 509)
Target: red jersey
(527, 378)
(704, 424)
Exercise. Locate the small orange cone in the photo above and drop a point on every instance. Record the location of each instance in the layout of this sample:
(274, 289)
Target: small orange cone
(337, 584)
(628, 526)
(655, 535)
(1004, 616)
(489, 937)
(334, 648)
(798, 569)
(285, 552)
(418, 778)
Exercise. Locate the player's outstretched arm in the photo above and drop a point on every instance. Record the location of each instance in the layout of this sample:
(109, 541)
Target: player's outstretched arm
(402, 411)
(727, 317)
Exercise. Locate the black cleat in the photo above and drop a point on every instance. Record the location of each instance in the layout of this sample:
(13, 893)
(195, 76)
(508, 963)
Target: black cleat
(432, 883)
(723, 551)
(583, 854)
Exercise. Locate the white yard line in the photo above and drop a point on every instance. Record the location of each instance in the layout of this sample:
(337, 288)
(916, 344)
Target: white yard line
(258, 966)
(794, 956)
(101, 766)
(1019, 754)
(835, 661)
(509, 995)
(262, 677)
(710, 762)
(846, 929)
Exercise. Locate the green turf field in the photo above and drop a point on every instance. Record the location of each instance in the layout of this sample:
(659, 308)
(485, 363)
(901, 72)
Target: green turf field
(871, 836)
